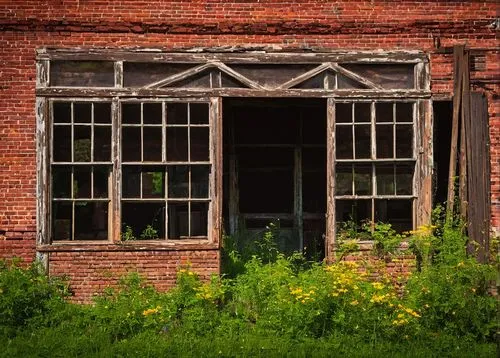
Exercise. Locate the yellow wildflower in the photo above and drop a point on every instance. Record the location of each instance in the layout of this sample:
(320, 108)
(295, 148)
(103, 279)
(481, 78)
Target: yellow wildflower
(354, 303)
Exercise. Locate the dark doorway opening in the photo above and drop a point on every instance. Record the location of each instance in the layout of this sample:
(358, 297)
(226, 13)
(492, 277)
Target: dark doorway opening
(443, 115)
(275, 170)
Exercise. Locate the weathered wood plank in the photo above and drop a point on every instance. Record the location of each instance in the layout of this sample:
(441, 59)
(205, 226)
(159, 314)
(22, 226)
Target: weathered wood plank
(163, 245)
(330, 181)
(464, 133)
(217, 170)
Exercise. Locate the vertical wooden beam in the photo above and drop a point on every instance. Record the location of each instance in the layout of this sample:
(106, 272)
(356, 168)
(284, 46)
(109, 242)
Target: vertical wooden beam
(216, 149)
(457, 91)
(330, 181)
(464, 118)
(424, 167)
(116, 175)
(118, 67)
(42, 178)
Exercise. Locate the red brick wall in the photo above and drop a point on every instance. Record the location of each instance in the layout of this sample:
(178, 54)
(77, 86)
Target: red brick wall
(173, 25)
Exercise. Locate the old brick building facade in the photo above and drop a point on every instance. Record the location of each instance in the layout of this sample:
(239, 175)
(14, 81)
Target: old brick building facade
(86, 86)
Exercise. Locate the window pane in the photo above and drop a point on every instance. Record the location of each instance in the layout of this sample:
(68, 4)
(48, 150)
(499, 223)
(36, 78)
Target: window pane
(82, 144)
(343, 179)
(199, 219)
(177, 113)
(178, 220)
(61, 182)
(198, 113)
(383, 112)
(199, 144)
(397, 212)
(177, 144)
(353, 210)
(178, 181)
(404, 179)
(62, 144)
(362, 112)
(101, 181)
(102, 113)
(384, 141)
(404, 141)
(82, 73)
(343, 113)
(82, 112)
(62, 214)
(343, 142)
(153, 183)
(152, 143)
(385, 179)
(102, 144)
(362, 179)
(91, 221)
(144, 221)
(131, 182)
(199, 181)
(404, 112)
(62, 112)
(152, 113)
(131, 144)
(363, 141)
(82, 182)
(131, 113)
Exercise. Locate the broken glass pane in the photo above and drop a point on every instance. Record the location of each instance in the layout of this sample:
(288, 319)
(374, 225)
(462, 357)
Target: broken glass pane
(404, 141)
(101, 181)
(404, 179)
(353, 210)
(82, 182)
(397, 212)
(199, 218)
(362, 179)
(343, 179)
(143, 221)
(131, 182)
(102, 143)
(178, 220)
(153, 183)
(62, 214)
(91, 220)
(199, 144)
(385, 179)
(82, 143)
(199, 181)
(61, 182)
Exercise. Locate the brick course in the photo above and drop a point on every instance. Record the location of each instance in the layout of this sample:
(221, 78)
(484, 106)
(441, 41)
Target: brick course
(276, 25)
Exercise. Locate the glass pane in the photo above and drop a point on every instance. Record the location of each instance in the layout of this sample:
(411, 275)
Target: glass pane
(388, 76)
(198, 113)
(91, 221)
(383, 112)
(363, 141)
(404, 179)
(178, 220)
(153, 183)
(62, 214)
(101, 181)
(199, 144)
(82, 182)
(102, 113)
(82, 112)
(362, 179)
(404, 112)
(131, 182)
(62, 112)
(385, 179)
(177, 144)
(152, 143)
(143, 221)
(131, 144)
(62, 144)
(139, 74)
(315, 82)
(82, 73)
(398, 213)
(177, 113)
(178, 181)
(82, 144)
(353, 210)
(343, 113)
(61, 182)
(343, 179)
(404, 141)
(384, 141)
(344, 82)
(131, 113)
(362, 112)
(152, 113)
(199, 219)
(343, 142)
(199, 181)
(102, 144)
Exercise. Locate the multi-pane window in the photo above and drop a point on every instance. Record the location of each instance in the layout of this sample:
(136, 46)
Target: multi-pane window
(165, 170)
(80, 169)
(375, 162)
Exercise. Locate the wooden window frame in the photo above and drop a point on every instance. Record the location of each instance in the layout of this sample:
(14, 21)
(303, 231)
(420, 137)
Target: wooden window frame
(45, 93)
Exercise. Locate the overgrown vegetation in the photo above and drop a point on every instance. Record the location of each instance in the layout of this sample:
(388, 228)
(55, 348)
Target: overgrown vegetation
(269, 305)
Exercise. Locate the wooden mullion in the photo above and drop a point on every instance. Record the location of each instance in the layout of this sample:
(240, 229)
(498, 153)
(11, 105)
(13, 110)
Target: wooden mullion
(330, 179)
(114, 223)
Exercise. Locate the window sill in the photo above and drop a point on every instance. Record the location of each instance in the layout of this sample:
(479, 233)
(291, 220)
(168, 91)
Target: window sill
(179, 245)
